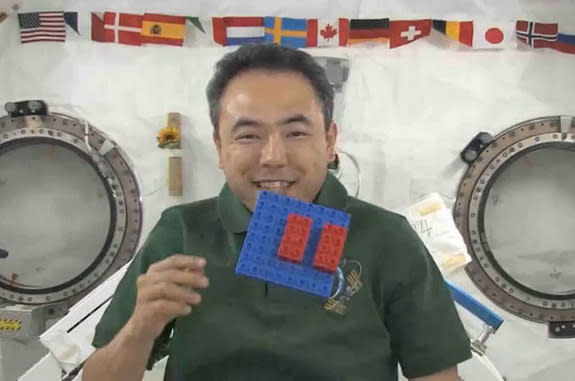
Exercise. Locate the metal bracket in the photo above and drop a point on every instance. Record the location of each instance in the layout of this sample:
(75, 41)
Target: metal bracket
(566, 122)
(474, 148)
(336, 70)
(562, 329)
(23, 108)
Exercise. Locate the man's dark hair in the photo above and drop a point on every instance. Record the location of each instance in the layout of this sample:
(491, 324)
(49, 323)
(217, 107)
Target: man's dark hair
(273, 58)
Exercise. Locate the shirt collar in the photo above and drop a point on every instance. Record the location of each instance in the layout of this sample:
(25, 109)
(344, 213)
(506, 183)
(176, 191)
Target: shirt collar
(235, 216)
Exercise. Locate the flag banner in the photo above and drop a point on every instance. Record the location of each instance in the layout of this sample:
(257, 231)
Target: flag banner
(197, 23)
(565, 43)
(536, 34)
(152, 28)
(323, 32)
(71, 19)
(406, 31)
(286, 31)
(461, 31)
(42, 26)
(494, 35)
(122, 28)
(238, 30)
(199, 32)
(368, 30)
(163, 29)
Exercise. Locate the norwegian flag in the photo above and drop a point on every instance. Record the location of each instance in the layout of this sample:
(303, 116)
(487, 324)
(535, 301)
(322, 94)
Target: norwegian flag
(322, 32)
(123, 28)
(42, 26)
(536, 34)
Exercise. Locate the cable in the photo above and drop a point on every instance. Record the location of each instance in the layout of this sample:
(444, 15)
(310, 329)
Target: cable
(338, 172)
(483, 359)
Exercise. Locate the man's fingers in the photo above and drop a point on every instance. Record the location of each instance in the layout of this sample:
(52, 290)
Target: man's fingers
(179, 261)
(194, 279)
(169, 308)
(171, 292)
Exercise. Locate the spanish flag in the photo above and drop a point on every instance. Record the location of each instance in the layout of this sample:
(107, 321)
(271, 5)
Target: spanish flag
(163, 29)
(461, 31)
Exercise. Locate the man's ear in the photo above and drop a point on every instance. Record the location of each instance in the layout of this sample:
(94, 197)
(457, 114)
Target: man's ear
(218, 144)
(331, 139)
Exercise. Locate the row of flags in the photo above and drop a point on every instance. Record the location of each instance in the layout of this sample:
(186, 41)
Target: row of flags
(150, 28)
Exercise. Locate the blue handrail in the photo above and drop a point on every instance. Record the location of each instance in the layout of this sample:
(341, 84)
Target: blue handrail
(475, 306)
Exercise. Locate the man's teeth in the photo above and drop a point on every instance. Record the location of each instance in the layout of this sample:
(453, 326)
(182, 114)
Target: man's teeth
(273, 184)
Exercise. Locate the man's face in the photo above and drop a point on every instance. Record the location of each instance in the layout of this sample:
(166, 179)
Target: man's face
(271, 136)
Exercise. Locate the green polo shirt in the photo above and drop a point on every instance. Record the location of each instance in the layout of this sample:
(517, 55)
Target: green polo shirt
(389, 303)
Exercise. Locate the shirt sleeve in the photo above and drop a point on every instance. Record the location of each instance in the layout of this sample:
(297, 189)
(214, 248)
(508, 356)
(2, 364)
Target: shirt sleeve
(164, 241)
(426, 333)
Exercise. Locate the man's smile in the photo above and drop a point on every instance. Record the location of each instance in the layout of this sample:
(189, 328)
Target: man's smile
(274, 184)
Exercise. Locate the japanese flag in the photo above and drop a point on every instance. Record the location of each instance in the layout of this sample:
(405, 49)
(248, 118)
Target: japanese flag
(494, 36)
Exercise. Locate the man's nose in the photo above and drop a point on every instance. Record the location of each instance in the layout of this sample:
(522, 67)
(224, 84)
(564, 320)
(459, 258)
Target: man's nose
(274, 152)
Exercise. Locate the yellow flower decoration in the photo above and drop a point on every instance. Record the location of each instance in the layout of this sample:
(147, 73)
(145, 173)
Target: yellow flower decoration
(169, 137)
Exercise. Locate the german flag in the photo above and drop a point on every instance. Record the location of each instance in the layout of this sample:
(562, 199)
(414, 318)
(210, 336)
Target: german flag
(368, 30)
(461, 31)
(163, 29)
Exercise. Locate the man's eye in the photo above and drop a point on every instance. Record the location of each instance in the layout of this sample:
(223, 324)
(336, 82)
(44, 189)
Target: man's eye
(247, 137)
(297, 134)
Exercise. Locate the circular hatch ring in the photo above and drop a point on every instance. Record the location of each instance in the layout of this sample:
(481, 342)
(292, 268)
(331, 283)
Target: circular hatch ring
(487, 157)
(115, 172)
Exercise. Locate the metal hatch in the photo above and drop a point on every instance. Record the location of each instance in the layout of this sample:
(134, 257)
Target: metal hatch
(515, 209)
(70, 206)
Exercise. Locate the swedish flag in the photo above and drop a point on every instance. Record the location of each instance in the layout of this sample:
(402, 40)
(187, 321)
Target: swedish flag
(286, 31)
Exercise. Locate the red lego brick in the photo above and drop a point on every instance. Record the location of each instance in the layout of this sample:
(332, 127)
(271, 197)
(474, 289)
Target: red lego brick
(294, 240)
(329, 248)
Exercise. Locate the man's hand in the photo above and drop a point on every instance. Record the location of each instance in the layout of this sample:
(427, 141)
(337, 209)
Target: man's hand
(165, 292)
(449, 374)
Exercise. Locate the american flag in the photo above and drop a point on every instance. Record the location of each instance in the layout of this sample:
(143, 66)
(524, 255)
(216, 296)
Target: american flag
(42, 26)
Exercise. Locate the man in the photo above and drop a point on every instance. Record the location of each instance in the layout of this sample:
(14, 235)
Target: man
(271, 108)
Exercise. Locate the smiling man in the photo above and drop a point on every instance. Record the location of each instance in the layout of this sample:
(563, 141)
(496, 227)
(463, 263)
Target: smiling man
(271, 108)
(282, 146)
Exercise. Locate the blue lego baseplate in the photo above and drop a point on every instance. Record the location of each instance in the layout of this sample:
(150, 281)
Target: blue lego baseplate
(259, 255)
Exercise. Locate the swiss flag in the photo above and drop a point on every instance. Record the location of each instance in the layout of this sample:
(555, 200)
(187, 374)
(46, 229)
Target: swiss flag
(322, 32)
(123, 28)
(406, 31)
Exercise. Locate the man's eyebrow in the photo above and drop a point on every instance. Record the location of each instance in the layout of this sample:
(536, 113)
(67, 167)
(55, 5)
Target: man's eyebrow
(298, 118)
(245, 122)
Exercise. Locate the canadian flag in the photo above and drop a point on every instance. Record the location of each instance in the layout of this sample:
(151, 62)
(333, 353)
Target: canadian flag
(491, 36)
(123, 28)
(322, 32)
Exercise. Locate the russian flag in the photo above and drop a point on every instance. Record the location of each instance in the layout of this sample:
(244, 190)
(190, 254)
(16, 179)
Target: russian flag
(238, 30)
(565, 43)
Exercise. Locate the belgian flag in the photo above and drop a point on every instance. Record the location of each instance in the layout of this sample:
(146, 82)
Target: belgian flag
(368, 30)
(461, 31)
(163, 29)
